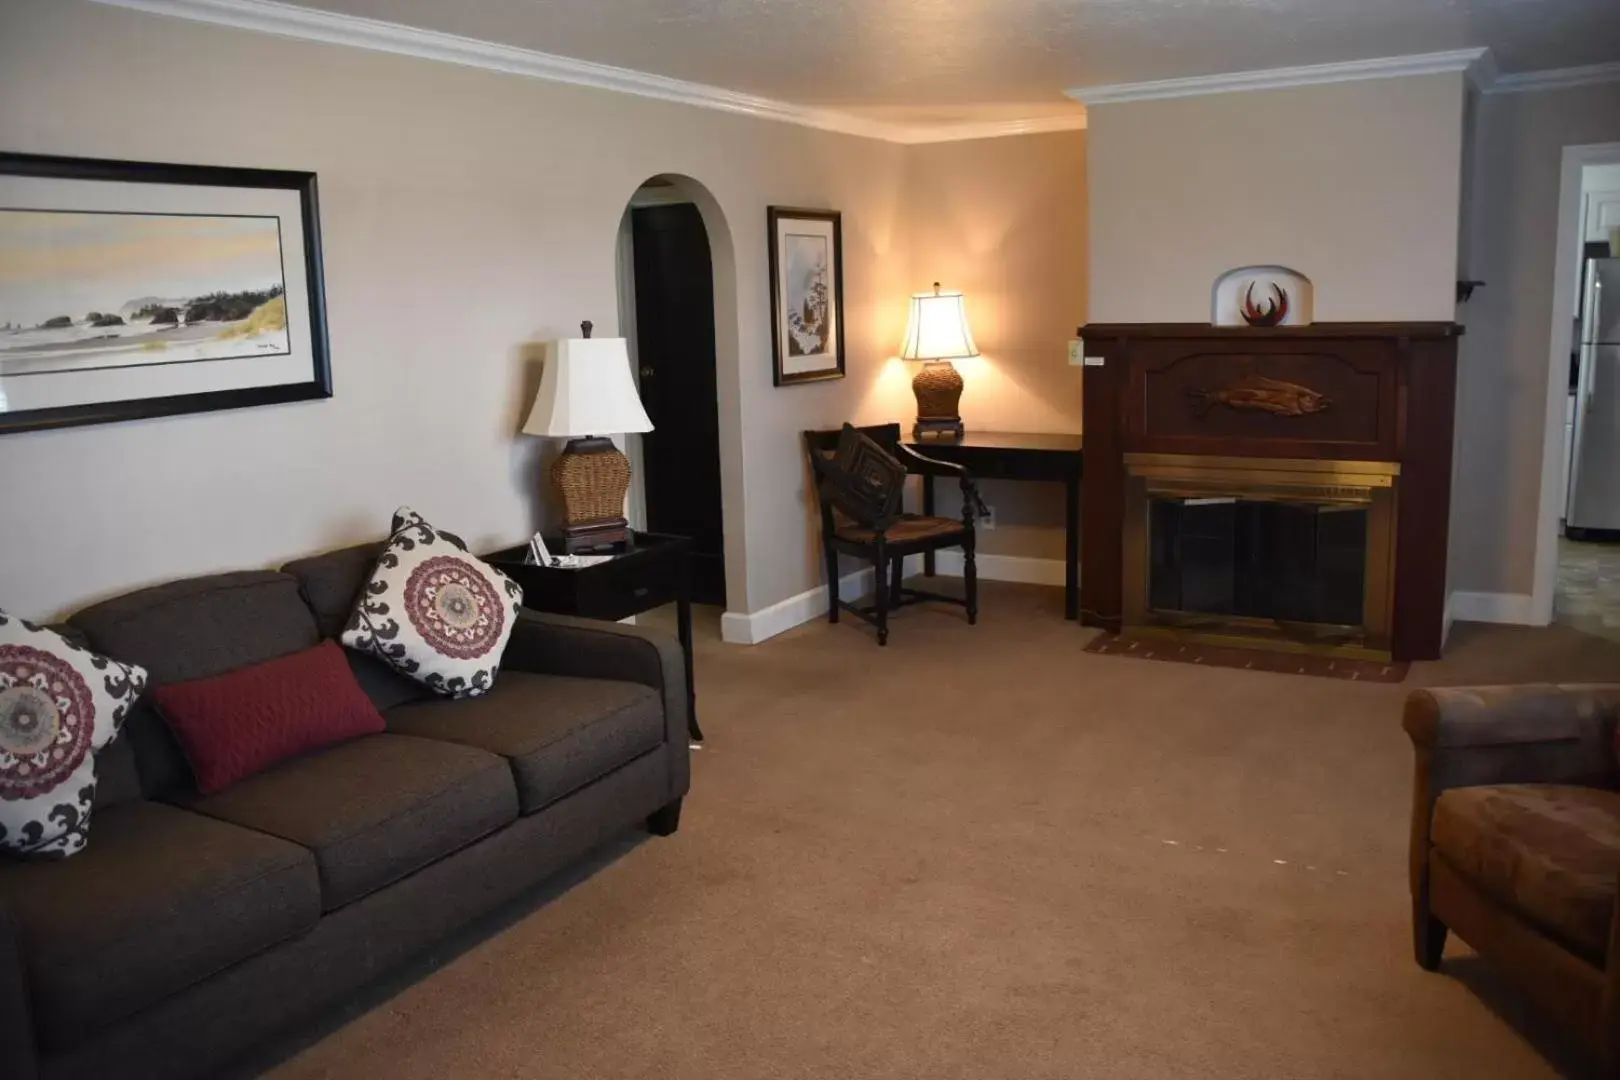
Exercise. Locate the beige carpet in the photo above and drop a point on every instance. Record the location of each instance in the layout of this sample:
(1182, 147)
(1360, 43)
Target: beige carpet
(983, 853)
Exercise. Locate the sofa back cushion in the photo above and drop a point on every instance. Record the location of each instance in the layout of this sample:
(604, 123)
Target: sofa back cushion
(192, 629)
(331, 585)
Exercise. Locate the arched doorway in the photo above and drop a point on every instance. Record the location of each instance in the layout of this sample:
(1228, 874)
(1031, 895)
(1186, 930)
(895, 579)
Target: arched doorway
(666, 273)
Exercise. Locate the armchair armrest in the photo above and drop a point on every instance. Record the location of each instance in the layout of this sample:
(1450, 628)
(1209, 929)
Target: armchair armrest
(1559, 734)
(924, 465)
(18, 1057)
(1540, 733)
(546, 644)
(973, 506)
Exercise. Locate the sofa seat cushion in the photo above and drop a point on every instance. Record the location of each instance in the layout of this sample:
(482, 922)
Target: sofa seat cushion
(373, 809)
(1549, 852)
(159, 900)
(558, 731)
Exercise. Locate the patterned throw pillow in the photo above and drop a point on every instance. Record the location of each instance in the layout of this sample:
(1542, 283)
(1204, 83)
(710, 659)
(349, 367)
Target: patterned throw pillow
(434, 612)
(60, 704)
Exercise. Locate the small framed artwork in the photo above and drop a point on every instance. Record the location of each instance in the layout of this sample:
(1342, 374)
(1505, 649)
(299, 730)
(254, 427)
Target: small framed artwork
(133, 289)
(807, 294)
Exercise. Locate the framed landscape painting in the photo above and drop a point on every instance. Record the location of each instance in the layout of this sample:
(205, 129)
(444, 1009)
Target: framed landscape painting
(807, 294)
(135, 289)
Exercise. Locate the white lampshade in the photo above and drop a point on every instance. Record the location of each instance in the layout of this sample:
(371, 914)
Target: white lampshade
(586, 389)
(938, 329)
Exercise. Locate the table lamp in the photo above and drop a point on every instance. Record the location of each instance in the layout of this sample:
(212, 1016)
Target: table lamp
(586, 394)
(937, 334)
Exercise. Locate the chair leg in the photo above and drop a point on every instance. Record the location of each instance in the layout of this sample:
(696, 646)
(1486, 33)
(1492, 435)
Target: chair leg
(832, 585)
(970, 581)
(894, 583)
(879, 565)
(1428, 936)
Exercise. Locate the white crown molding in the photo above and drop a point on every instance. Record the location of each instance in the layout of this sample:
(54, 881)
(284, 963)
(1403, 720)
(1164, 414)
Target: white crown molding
(1483, 73)
(991, 129)
(290, 20)
(1555, 78)
(1384, 67)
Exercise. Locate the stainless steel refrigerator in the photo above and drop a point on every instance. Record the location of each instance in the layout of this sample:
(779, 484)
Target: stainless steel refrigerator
(1594, 479)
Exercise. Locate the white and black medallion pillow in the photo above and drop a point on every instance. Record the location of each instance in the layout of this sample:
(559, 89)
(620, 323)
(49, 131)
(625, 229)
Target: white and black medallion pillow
(60, 704)
(435, 612)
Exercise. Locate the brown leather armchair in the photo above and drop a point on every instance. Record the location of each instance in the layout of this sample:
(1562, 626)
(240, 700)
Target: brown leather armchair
(1516, 842)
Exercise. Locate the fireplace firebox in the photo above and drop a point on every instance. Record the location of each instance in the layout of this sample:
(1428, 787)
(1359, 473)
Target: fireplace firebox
(1282, 487)
(1295, 553)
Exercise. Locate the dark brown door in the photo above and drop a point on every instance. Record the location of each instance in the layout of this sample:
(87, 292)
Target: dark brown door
(675, 350)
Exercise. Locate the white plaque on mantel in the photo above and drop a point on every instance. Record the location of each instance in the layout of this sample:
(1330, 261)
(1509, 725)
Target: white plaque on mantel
(1262, 289)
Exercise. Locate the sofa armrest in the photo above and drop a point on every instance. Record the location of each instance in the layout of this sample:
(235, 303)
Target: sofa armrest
(1540, 733)
(18, 1057)
(563, 645)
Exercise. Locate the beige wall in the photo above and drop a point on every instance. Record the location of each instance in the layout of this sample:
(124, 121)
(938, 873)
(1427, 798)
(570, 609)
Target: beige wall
(1004, 221)
(467, 216)
(1502, 385)
(1355, 185)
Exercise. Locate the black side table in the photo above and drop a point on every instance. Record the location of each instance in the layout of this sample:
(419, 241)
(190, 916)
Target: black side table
(653, 571)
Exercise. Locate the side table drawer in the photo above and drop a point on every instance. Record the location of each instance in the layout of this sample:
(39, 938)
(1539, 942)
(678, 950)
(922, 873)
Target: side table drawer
(607, 593)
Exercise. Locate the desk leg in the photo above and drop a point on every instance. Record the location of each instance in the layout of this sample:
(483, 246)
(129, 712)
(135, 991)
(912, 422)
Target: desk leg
(1071, 554)
(928, 509)
(683, 629)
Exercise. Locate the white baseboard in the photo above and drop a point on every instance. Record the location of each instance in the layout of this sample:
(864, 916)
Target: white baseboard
(741, 629)
(780, 617)
(1020, 568)
(1490, 607)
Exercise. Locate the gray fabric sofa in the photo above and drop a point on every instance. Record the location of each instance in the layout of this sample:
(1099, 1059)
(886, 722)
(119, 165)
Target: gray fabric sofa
(192, 927)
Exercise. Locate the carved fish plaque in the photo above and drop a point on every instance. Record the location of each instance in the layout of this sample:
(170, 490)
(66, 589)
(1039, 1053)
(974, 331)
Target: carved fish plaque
(1267, 395)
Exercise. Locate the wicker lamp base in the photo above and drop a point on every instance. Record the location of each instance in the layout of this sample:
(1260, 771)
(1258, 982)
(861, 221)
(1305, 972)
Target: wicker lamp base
(592, 476)
(938, 387)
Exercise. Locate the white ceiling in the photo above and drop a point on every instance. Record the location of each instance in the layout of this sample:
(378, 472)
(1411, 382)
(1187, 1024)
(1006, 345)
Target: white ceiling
(921, 60)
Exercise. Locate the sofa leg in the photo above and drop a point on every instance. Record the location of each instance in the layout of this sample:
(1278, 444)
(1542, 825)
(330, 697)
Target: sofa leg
(665, 820)
(1428, 938)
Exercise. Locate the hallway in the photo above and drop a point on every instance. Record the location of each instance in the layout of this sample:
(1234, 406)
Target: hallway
(1588, 592)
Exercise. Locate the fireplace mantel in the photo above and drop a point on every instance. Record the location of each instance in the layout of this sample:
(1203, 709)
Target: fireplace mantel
(1100, 332)
(1365, 392)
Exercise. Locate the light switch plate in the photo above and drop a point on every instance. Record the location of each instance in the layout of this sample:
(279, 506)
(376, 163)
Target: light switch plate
(1076, 351)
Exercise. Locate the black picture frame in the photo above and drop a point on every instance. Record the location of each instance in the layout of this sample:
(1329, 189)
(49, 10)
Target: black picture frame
(317, 386)
(831, 365)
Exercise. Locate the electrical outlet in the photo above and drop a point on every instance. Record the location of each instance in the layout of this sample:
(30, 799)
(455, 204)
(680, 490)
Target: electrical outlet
(1076, 352)
(988, 518)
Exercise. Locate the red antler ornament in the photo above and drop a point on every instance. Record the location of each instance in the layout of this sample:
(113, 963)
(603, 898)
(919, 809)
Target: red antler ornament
(1272, 314)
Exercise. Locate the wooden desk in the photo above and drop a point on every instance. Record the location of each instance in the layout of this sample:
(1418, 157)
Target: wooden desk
(1016, 455)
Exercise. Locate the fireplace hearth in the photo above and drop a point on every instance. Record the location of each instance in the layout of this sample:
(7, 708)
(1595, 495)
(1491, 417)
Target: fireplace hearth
(1283, 488)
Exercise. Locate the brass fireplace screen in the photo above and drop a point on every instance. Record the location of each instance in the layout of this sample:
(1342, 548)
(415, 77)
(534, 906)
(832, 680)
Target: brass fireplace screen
(1287, 553)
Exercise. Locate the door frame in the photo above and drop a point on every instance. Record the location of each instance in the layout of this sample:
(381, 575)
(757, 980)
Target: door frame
(727, 360)
(1575, 159)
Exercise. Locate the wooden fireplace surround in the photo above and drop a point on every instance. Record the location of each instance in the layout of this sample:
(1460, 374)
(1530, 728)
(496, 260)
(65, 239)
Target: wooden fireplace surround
(1371, 392)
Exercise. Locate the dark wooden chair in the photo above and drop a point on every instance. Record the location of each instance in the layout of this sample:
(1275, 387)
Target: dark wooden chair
(885, 544)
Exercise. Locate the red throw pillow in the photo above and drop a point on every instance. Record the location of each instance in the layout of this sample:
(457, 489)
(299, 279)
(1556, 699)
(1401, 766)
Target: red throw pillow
(233, 725)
